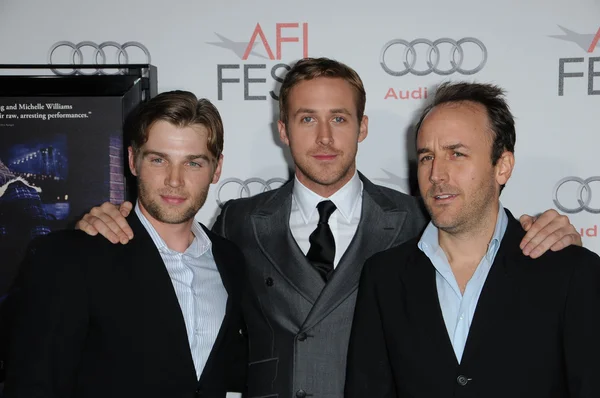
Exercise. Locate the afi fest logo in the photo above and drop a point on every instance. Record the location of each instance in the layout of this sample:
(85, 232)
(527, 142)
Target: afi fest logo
(422, 57)
(265, 43)
(589, 43)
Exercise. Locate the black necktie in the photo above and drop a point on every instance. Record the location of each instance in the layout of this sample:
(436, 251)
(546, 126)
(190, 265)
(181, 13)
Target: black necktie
(322, 245)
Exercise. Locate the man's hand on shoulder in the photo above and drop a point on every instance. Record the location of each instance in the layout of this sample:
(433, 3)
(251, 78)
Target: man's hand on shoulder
(549, 231)
(109, 221)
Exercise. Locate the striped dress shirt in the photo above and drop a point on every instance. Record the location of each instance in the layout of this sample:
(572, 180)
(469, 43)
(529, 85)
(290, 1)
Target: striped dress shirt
(198, 287)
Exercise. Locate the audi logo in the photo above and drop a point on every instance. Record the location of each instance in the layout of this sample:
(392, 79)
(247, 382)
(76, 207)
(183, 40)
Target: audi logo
(433, 56)
(583, 195)
(98, 58)
(245, 188)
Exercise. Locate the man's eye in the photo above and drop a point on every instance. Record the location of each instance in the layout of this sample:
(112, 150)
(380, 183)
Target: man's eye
(339, 119)
(307, 119)
(458, 154)
(195, 164)
(425, 158)
(156, 160)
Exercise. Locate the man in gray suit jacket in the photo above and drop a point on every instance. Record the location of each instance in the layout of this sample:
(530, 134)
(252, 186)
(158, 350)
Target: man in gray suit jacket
(305, 243)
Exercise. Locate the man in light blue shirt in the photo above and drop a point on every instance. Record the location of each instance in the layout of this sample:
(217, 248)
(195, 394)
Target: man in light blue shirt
(462, 312)
(458, 305)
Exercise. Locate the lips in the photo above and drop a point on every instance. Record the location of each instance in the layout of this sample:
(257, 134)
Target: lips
(325, 156)
(172, 200)
(444, 196)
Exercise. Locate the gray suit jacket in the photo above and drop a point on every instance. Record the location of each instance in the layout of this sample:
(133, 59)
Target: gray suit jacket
(298, 327)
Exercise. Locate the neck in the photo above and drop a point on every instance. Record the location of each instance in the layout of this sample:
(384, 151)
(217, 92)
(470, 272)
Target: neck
(325, 190)
(177, 237)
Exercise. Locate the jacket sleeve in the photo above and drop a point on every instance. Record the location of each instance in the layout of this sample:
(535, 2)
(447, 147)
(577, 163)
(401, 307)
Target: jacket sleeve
(582, 328)
(50, 323)
(369, 373)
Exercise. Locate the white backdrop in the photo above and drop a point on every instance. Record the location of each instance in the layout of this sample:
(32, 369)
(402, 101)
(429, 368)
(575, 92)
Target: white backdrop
(190, 41)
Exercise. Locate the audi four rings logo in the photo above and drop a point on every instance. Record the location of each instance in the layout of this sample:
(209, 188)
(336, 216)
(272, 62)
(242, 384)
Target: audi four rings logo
(245, 188)
(583, 195)
(433, 56)
(98, 57)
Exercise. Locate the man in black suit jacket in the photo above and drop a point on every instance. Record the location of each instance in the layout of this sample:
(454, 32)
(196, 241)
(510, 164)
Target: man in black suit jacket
(461, 311)
(297, 316)
(98, 320)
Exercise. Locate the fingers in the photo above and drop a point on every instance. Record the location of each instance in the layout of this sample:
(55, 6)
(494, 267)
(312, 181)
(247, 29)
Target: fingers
(124, 211)
(111, 224)
(85, 226)
(125, 208)
(526, 222)
(569, 238)
(550, 230)
(109, 221)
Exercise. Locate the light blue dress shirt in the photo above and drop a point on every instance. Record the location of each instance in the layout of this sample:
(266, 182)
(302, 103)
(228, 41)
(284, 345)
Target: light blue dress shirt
(458, 309)
(198, 287)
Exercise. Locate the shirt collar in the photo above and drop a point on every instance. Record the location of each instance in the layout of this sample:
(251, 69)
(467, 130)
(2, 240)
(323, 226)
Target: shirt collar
(345, 199)
(200, 244)
(429, 243)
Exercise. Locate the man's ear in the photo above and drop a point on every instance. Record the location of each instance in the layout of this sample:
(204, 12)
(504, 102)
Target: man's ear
(283, 133)
(131, 158)
(218, 169)
(504, 167)
(363, 129)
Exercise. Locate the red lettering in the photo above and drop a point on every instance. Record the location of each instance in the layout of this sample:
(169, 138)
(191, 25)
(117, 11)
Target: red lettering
(281, 39)
(258, 32)
(390, 93)
(594, 42)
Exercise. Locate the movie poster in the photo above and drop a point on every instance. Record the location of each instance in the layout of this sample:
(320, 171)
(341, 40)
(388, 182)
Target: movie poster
(59, 156)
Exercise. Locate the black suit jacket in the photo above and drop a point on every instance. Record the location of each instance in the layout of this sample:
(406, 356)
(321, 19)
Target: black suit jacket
(101, 320)
(535, 332)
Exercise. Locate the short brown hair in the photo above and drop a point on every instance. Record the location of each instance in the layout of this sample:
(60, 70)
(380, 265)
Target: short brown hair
(501, 120)
(182, 109)
(312, 68)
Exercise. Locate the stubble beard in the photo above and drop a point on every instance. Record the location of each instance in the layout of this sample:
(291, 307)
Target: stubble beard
(162, 213)
(472, 216)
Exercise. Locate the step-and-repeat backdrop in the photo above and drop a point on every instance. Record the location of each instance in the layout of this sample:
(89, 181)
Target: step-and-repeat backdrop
(546, 54)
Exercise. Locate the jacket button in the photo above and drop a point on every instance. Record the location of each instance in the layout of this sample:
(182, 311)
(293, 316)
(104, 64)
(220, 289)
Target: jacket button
(269, 281)
(198, 392)
(462, 380)
(300, 394)
(302, 336)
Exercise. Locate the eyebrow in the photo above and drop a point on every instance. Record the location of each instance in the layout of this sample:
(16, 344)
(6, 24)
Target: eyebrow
(454, 146)
(450, 147)
(187, 157)
(334, 110)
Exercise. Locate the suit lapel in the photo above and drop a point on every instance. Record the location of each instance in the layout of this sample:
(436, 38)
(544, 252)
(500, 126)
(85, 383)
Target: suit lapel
(273, 236)
(498, 297)
(164, 322)
(422, 292)
(379, 226)
(221, 258)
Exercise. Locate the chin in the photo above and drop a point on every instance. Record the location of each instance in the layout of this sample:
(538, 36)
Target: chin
(443, 223)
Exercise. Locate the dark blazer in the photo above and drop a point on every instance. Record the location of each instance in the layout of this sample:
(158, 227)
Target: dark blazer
(101, 320)
(298, 326)
(535, 332)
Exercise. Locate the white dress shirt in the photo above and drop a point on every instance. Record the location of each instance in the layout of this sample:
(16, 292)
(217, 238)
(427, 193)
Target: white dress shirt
(304, 216)
(198, 287)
